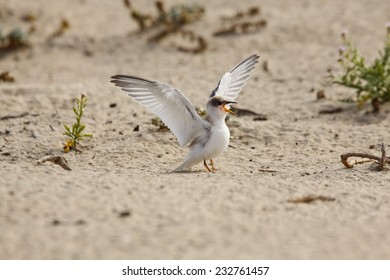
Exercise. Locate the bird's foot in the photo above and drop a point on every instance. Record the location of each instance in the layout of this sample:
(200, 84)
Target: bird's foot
(212, 165)
(208, 168)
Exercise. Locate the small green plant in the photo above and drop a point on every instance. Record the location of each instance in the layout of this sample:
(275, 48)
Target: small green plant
(76, 134)
(371, 82)
(16, 39)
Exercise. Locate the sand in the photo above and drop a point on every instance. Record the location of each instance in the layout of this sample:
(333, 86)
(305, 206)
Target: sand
(121, 202)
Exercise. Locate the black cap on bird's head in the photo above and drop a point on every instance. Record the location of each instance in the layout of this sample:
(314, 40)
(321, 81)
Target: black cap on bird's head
(218, 101)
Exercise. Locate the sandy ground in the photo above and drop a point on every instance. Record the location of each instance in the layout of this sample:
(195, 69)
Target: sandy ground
(120, 201)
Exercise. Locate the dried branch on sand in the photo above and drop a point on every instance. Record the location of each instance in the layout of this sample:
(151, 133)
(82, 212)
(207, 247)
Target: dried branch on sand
(60, 160)
(311, 198)
(381, 161)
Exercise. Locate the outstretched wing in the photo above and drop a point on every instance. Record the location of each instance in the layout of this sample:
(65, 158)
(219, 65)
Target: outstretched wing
(170, 105)
(232, 82)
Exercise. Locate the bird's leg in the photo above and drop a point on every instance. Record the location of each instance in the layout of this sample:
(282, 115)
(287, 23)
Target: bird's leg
(212, 165)
(205, 164)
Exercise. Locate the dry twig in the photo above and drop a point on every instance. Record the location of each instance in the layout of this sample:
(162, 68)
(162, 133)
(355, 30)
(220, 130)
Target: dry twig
(381, 161)
(7, 117)
(250, 12)
(169, 22)
(60, 160)
(201, 42)
(331, 111)
(175, 17)
(6, 77)
(311, 198)
(241, 28)
(62, 28)
(266, 170)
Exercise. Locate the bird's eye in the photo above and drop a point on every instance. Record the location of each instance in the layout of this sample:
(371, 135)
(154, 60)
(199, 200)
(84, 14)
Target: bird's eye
(219, 103)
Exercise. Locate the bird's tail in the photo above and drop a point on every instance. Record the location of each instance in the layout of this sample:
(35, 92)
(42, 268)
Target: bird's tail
(187, 164)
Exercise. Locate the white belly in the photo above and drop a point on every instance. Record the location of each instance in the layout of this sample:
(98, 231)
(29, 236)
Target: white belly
(218, 142)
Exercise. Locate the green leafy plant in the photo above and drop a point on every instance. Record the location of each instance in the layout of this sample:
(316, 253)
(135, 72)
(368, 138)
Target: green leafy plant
(15, 39)
(371, 82)
(76, 133)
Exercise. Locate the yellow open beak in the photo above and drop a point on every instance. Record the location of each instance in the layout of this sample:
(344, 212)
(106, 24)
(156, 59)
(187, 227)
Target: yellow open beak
(227, 109)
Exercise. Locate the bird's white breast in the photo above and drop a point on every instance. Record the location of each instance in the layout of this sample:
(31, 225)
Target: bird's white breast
(218, 142)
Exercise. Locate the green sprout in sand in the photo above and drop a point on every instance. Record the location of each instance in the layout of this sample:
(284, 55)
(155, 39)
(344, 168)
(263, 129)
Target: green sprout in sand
(371, 82)
(76, 133)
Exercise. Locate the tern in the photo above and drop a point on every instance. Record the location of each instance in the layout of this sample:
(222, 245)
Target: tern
(207, 137)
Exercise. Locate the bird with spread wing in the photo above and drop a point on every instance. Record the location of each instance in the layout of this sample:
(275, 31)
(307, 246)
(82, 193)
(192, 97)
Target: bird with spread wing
(207, 138)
